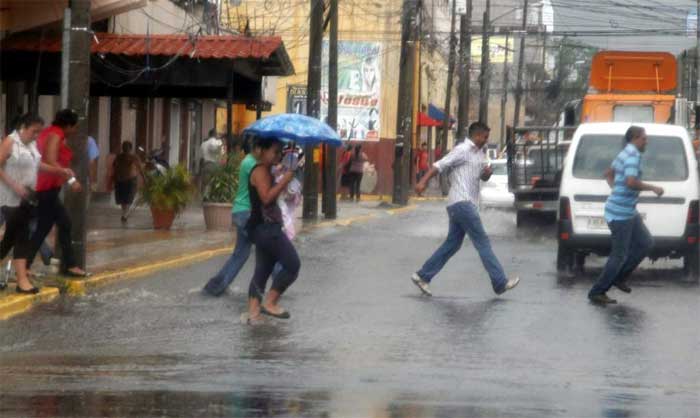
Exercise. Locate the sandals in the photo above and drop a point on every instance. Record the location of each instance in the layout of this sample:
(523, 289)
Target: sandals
(82, 275)
(281, 315)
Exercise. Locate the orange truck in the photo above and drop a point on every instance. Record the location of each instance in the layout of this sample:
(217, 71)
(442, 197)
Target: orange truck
(629, 86)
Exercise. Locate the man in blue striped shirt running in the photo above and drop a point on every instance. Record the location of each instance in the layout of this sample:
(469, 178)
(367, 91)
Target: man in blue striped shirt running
(631, 240)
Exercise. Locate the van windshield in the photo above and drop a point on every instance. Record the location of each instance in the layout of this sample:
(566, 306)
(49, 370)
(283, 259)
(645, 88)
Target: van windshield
(664, 159)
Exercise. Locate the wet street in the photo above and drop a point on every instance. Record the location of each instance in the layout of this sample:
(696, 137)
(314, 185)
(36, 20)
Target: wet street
(362, 341)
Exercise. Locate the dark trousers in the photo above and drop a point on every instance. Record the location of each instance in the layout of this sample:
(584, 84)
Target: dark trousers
(631, 243)
(355, 180)
(16, 236)
(51, 212)
(271, 247)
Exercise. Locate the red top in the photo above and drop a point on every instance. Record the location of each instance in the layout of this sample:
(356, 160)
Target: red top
(422, 160)
(345, 161)
(46, 181)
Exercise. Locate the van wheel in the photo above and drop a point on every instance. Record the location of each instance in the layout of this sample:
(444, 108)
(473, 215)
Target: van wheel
(691, 265)
(565, 259)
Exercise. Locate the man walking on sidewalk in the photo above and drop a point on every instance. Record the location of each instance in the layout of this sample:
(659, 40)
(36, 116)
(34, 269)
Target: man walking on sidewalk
(468, 166)
(631, 240)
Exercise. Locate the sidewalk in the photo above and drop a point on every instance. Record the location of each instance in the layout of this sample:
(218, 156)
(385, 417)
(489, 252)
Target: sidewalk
(117, 252)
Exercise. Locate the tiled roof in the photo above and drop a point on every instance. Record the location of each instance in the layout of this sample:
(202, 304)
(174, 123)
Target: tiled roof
(205, 47)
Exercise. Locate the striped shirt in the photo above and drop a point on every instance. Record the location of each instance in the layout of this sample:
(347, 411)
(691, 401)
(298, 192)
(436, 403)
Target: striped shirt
(465, 163)
(622, 203)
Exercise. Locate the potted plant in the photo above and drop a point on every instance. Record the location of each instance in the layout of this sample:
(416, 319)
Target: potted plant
(167, 194)
(219, 194)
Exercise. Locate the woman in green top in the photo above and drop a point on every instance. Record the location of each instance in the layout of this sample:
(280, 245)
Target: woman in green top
(241, 212)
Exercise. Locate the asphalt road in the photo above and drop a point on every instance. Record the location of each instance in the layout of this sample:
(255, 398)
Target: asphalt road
(362, 342)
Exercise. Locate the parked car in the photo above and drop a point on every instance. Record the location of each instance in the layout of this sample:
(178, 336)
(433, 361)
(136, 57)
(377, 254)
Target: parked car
(669, 161)
(495, 193)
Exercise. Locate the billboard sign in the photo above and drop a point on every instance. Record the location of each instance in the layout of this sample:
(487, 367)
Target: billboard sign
(359, 89)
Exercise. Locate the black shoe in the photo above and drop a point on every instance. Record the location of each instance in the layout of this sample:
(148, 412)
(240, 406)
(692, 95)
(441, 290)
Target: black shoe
(32, 291)
(622, 285)
(602, 299)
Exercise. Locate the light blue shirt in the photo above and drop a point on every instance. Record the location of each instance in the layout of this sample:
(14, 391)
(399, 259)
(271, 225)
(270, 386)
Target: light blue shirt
(92, 150)
(622, 203)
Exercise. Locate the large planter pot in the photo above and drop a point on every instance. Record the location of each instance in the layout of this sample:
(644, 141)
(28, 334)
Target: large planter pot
(217, 216)
(162, 219)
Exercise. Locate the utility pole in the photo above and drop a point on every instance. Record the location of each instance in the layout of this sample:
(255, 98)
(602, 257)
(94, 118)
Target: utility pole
(329, 156)
(521, 62)
(541, 93)
(76, 90)
(504, 96)
(465, 66)
(404, 117)
(485, 75)
(450, 72)
(697, 56)
(313, 109)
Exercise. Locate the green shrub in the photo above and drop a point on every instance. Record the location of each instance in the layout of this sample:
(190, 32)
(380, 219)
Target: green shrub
(223, 184)
(170, 191)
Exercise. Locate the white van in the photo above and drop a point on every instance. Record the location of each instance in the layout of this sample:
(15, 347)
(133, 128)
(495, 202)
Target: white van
(669, 162)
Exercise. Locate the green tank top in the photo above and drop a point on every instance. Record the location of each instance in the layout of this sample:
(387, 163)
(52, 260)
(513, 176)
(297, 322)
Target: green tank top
(242, 201)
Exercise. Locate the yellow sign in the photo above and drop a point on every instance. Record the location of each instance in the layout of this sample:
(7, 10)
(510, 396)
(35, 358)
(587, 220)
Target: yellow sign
(497, 47)
(317, 156)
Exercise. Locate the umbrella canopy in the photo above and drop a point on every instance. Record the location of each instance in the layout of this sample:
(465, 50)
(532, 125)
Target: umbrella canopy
(301, 129)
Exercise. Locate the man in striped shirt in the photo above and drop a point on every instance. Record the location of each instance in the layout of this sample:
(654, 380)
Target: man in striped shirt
(631, 240)
(467, 166)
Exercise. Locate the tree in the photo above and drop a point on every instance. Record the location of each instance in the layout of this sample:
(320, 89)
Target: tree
(548, 93)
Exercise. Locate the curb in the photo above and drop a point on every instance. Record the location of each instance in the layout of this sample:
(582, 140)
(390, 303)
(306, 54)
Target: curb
(80, 287)
(16, 304)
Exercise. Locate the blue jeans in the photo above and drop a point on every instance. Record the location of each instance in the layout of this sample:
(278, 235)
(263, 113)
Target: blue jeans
(631, 243)
(218, 284)
(465, 220)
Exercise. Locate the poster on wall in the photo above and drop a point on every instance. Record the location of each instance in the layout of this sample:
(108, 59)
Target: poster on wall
(359, 89)
(296, 99)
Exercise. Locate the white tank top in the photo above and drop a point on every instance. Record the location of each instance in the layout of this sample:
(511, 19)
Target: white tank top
(21, 166)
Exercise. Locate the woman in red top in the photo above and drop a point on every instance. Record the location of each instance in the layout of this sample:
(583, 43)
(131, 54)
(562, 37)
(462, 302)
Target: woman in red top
(55, 153)
(345, 172)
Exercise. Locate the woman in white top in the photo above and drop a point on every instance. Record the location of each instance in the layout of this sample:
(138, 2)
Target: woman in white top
(20, 163)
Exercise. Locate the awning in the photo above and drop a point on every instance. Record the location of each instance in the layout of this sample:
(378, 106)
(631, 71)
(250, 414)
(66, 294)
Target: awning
(182, 45)
(425, 120)
(181, 65)
(438, 114)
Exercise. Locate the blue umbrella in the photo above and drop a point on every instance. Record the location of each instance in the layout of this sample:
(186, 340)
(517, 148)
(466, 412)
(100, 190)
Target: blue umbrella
(293, 127)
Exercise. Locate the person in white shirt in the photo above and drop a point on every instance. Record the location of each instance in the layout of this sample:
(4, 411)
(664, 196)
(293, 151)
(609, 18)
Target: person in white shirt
(467, 165)
(211, 156)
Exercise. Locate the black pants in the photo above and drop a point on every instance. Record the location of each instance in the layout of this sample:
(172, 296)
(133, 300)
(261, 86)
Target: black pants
(52, 212)
(355, 180)
(271, 247)
(16, 236)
